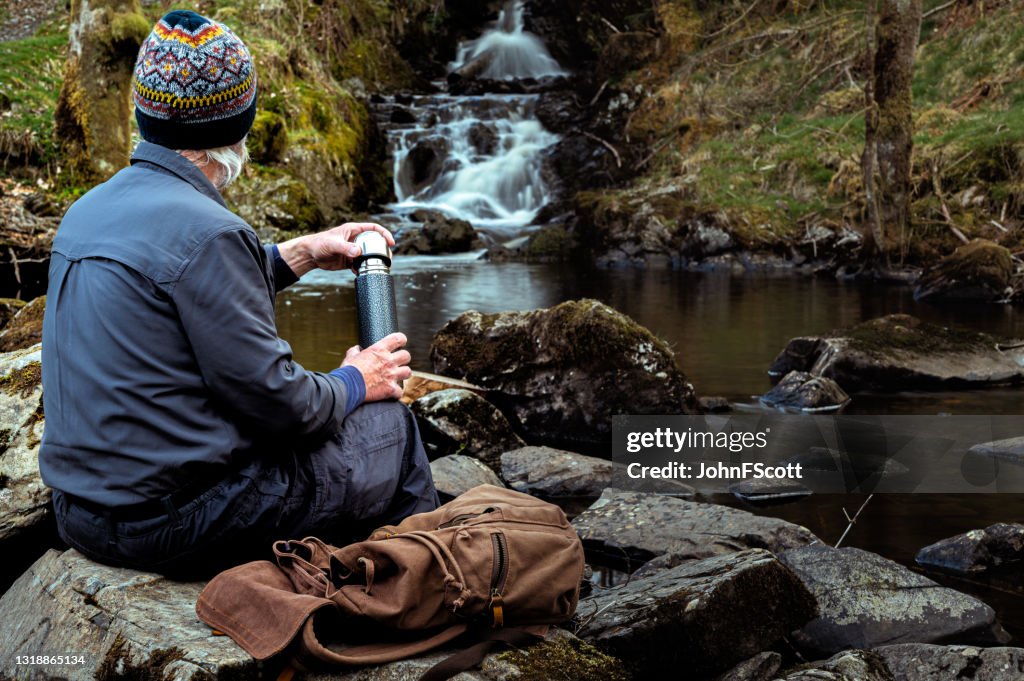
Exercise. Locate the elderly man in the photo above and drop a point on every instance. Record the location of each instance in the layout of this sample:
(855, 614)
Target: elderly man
(180, 435)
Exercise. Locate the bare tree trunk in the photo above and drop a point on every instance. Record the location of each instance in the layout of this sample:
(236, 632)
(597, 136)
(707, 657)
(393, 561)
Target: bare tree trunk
(889, 133)
(93, 125)
(874, 237)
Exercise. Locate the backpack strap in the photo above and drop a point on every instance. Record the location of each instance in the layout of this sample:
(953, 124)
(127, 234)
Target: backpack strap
(312, 654)
(474, 655)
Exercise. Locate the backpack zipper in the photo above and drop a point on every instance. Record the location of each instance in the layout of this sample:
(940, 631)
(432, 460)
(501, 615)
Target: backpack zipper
(498, 576)
(459, 519)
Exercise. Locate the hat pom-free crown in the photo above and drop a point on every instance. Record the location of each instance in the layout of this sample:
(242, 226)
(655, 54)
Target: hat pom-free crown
(194, 84)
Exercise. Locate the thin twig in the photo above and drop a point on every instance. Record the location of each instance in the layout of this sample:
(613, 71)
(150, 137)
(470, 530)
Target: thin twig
(17, 270)
(936, 10)
(853, 520)
(600, 91)
(610, 25)
(607, 145)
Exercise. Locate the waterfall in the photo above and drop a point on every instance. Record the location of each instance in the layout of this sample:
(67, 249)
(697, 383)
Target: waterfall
(507, 51)
(478, 158)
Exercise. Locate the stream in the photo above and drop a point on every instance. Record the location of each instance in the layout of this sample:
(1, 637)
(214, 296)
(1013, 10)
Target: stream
(480, 159)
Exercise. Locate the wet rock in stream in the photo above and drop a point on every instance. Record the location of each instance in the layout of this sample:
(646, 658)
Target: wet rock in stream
(867, 601)
(976, 551)
(899, 352)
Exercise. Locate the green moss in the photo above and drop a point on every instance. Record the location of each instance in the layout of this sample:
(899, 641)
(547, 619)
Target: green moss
(117, 665)
(21, 382)
(268, 138)
(128, 30)
(30, 78)
(903, 333)
(565, 658)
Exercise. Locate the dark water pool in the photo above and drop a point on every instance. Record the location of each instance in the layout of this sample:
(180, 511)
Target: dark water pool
(725, 329)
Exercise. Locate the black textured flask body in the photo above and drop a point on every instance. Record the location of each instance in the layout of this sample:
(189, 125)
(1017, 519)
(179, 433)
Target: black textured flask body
(375, 290)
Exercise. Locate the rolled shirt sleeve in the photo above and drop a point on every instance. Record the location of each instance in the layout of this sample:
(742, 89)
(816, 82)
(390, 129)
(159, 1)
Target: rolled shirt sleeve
(227, 312)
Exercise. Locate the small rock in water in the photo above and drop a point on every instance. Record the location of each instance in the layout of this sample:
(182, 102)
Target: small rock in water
(977, 550)
(1010, 449)
(547, 472)
(801, 391)
(768, 491)
(456, 474)
(714, 405)
(866, 600)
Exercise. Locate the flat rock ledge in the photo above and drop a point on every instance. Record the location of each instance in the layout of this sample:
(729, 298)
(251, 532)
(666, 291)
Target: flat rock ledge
(923, 662)
(867, 601)
(138, 625)
(1010, 449)
(703, 617)
(122, 621)
(899, 352)
(634, 527)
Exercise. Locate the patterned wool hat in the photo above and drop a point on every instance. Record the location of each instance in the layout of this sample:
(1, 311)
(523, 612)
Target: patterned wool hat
(194, 85)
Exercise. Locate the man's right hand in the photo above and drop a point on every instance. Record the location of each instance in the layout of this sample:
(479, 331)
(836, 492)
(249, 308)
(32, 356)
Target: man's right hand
(384, 365)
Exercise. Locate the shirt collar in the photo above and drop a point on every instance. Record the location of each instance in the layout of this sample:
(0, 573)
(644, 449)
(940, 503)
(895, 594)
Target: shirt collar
(174, 162)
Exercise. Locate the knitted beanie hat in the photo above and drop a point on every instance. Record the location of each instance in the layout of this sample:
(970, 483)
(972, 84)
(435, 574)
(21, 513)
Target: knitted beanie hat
(194, 84)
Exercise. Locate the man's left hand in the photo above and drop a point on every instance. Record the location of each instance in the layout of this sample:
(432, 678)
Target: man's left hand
(329, 250)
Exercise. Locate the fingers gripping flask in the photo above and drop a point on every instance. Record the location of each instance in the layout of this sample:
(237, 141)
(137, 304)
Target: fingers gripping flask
(375, 289)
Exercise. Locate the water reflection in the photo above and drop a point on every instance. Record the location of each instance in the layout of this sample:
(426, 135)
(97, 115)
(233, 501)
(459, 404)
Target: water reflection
(725, 329)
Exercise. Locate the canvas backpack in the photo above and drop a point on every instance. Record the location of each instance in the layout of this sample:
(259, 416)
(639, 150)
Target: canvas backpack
(493, 562)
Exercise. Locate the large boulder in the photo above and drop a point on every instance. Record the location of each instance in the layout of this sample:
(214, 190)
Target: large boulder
(760, 667)
(703, 617)
(867, 601)
(978, 271)
(899, 352)
(137, 623)
(547, 472)
(456, 474)
(565, 371)
(457, 421)
(923, 662)
(799, 390)
(977, 550)
(24, 498)
(636, 527)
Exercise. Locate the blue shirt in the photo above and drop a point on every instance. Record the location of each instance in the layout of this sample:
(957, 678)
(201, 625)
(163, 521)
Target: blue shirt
(161, 359)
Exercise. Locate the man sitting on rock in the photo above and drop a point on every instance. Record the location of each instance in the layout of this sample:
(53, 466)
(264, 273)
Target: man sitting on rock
(180, 435)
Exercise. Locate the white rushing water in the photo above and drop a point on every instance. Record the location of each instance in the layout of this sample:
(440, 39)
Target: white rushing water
(479, 158)
(509, 52)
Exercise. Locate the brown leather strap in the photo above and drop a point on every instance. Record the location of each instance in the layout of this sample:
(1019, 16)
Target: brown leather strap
(474, 655)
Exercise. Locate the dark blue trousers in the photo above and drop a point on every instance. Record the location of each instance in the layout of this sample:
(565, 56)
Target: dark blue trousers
(373, 472)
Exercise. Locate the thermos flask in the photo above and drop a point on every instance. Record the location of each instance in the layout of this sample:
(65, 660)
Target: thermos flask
(375, 290)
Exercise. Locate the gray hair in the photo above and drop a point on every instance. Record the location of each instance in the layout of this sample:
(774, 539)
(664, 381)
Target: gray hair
(229, 161)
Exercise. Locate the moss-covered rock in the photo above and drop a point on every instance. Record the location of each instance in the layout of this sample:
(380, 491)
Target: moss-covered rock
(900, 352)
(980, 271)
(8, 308)
(268, 138)
(564, 372)
(25, 500)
